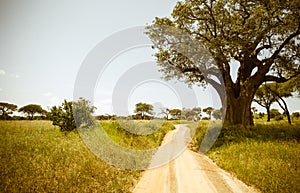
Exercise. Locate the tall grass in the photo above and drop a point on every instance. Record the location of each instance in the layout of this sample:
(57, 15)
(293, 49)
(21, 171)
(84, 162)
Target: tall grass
(127, 139)
(266, 156)
(36, 157)
(269, 166)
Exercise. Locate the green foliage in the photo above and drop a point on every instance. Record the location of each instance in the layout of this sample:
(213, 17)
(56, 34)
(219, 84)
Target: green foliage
(274, 113)
(175, 113)
(295, 82)
(6, 109)
(217, 114)
(261, 115)
(129, 139)
(32, 109)
(260, 132)
(296, 115)
(62, 116)
(229, 30)
(143, 109)
(82, 112)
(198, 43)
(193, 114)
(264, 97)
(72, 114)
(279, 117)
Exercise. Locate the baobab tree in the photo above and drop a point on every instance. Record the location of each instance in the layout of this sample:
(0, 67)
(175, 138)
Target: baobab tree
(202, 40)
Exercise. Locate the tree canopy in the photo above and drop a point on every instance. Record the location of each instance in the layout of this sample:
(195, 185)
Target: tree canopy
(32, 109)
(143, 109)
(175, 113)
(269, 93)
(264, 98)
(6, 109)
(191, 114)
(202, 40)
(62, 116)
(217, 114)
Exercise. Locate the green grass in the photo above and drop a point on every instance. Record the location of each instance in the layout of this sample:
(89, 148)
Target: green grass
(266, 156)
(118, 134)
(37, 157)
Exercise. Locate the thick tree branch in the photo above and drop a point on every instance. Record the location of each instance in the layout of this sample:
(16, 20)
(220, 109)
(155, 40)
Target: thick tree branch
(270, 78)
(269, 61)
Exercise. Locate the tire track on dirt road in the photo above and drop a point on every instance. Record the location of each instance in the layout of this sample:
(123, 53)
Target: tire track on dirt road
(189, 172)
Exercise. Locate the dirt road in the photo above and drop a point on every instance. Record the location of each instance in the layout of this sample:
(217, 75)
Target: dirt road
(190, 172)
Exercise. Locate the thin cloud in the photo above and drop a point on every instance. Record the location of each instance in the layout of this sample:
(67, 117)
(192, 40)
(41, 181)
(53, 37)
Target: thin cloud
(15, 75)
(2, 72)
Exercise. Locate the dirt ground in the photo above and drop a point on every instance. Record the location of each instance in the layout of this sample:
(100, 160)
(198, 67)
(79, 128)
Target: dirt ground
(176, 169)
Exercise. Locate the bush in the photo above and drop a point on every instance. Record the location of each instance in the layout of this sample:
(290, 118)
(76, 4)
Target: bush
(278, 117)
(62, 116)
(82, 111)
(274, 113)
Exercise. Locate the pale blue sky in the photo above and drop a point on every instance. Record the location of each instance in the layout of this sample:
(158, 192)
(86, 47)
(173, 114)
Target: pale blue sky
(43, 44)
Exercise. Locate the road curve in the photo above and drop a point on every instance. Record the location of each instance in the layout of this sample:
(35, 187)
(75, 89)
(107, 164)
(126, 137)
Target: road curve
(189, 172)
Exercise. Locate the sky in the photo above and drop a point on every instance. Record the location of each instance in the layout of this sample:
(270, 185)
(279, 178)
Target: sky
(44, 46)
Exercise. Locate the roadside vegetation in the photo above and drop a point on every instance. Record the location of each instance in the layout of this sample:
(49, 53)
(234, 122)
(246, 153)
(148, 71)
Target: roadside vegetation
(266, 156)
(141, 142)
(37, 157)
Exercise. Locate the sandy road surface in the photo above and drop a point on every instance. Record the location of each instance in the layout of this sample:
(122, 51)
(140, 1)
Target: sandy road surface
(189, 172)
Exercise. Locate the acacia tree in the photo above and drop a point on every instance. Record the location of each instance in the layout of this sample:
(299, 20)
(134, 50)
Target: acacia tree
(143, 109)
(175, 113)
(32, 109)
(281, 91)
(6, 109)
(191, 114)
(265, 99)
(165, 112)
(217, 114)
(261, 36)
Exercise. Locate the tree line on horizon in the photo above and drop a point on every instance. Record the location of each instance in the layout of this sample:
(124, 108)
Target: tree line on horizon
(144, 111)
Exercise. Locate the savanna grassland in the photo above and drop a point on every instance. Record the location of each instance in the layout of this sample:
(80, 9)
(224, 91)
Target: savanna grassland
(266, 156)
(37, 157)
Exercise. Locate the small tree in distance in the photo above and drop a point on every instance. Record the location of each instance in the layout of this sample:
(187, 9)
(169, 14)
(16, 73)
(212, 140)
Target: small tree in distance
(32, 109)
(217, 114)
(82, 111)
(143, 109)
(6, 109)
(176, 113)
(165, 112)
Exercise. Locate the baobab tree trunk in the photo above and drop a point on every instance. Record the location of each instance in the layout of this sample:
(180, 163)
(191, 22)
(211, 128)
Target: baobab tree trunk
(238, 108)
